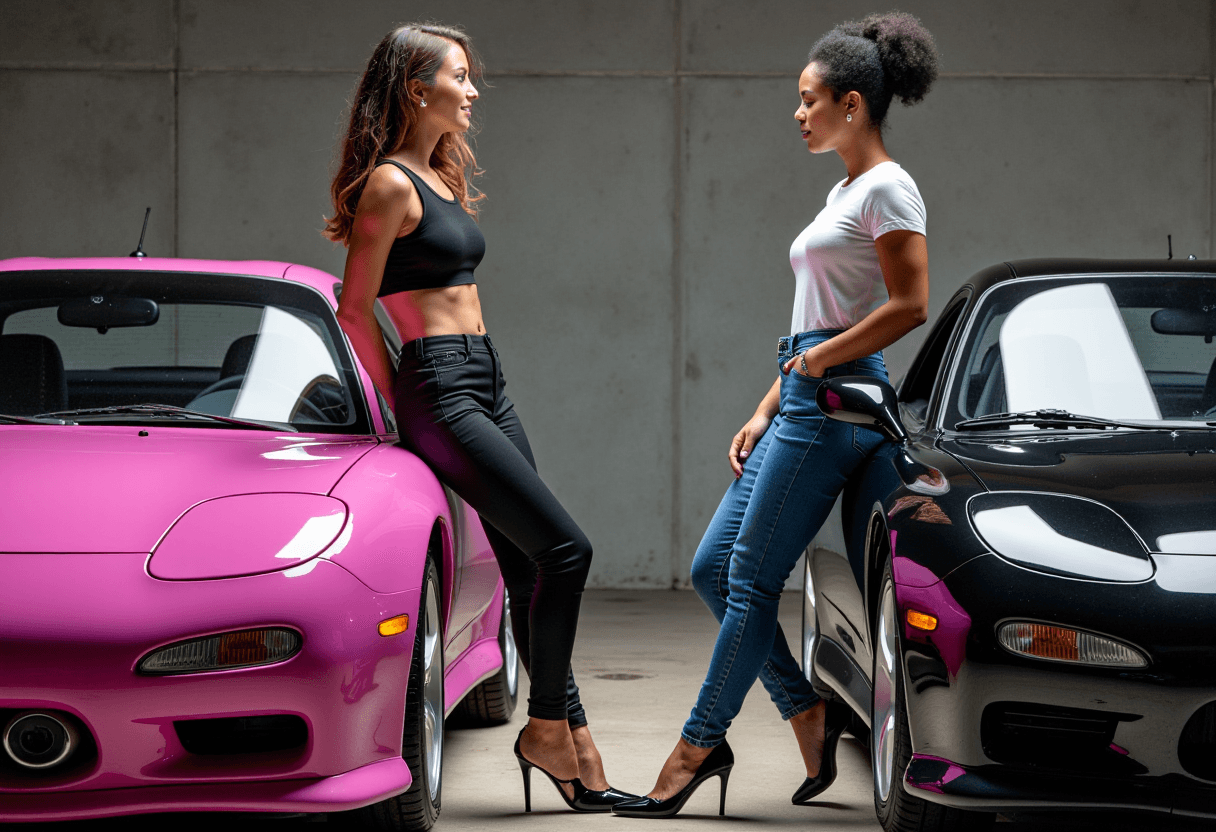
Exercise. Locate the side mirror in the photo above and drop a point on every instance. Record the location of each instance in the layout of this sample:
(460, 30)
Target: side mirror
(862, 400)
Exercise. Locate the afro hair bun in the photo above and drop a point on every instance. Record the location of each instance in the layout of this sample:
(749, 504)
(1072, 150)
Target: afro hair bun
(906, 49)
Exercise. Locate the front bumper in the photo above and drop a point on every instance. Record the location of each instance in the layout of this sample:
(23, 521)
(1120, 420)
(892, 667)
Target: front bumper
(960, 686)
(84, 621)
(362, 786)
(995, 788)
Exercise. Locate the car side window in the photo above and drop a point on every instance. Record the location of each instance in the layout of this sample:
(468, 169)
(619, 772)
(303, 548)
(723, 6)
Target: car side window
(917, 388)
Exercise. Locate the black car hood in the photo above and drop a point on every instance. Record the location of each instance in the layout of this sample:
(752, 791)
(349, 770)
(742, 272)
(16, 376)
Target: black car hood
(1160, 482)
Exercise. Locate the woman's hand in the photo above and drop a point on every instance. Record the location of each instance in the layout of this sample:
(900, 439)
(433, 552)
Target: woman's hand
(814, 368)
(746, 439)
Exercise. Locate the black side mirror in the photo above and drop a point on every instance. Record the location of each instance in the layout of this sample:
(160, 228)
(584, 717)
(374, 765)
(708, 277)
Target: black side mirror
(862, 400)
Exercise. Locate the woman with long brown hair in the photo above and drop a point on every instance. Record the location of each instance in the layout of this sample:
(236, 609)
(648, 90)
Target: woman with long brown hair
(403, 208)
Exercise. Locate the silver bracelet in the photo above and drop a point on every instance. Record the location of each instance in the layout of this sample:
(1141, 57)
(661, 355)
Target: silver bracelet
(805, 371)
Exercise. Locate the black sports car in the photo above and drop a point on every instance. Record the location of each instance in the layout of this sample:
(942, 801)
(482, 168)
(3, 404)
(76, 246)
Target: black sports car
(1026, 618)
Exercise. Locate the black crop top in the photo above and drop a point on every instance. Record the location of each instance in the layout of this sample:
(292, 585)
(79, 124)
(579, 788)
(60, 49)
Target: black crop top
(442, 251)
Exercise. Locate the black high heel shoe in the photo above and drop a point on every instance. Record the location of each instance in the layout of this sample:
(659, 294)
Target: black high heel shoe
(584, 800)
(834, 722)
(718, 763)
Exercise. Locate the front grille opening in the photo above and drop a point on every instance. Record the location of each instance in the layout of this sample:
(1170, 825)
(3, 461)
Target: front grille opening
(1197, 745)
(1054, 738)
(242, 734)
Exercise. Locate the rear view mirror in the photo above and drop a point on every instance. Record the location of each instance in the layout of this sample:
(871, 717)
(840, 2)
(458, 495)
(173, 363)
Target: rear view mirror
(1185, 322)
(101, 312)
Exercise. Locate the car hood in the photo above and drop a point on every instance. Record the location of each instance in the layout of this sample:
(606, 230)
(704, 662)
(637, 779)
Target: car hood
(1162, 483)
(100, 489)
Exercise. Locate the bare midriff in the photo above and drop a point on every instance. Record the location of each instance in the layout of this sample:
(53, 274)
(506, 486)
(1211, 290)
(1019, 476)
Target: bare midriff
(451, 310)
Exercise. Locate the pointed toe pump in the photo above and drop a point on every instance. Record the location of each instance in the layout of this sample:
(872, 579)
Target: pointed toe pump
(717, 764)
(834, 722)
(583, 800)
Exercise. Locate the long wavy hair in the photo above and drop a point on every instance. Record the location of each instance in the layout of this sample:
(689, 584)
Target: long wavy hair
(384, 113)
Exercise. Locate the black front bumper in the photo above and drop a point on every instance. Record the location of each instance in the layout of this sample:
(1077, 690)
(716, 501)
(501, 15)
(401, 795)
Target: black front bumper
(960, 684)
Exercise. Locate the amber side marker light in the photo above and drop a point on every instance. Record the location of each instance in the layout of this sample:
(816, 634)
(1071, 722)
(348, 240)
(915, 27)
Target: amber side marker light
(921, 620)
(396, 625)
(1062, 644)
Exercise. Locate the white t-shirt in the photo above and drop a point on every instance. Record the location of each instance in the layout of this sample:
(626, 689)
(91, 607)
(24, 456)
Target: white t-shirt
(836, 274)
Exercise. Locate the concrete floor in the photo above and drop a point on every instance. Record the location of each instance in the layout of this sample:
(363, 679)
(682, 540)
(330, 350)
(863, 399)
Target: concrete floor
(640, 659)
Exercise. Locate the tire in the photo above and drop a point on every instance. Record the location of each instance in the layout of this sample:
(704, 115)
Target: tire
(417, 808)
(891, 741)
(493, 701)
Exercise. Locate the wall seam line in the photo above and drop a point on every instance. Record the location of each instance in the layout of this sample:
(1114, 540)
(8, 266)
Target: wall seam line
(588, 73)
(175, 131)
(677, 301)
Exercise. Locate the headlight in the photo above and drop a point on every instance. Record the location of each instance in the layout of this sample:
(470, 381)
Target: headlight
(1060, 535)
(249, 534)
(1062, 644)
(226, 651)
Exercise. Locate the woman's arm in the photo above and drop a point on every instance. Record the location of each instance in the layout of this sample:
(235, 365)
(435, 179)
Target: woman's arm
(748, 435)
(388, 205)
(903, 257)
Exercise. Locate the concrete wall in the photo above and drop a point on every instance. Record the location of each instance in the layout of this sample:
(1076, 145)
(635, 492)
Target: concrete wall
(645, 181)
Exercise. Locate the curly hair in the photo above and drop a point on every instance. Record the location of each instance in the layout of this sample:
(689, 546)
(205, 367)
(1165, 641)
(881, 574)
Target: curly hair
(881, 57)
(384, 113)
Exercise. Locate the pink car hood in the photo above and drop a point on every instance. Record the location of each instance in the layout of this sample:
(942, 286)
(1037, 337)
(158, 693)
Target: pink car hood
(108, 489)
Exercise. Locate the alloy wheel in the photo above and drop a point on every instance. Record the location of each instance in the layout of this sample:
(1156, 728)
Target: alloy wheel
(510, 654)
(882, 734)
(432, 691)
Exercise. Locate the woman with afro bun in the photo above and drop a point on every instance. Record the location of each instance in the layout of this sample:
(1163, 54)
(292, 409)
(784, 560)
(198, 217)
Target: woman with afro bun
(861, 283)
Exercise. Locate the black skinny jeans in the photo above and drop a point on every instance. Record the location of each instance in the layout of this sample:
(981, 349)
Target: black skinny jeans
(452, 413)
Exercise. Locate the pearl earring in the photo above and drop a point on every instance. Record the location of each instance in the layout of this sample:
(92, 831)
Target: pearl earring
(422, 103)
(849, 117)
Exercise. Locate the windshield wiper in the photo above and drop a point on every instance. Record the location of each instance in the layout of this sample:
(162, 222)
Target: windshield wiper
(32, 420)
(1047, 418)
(168, 411)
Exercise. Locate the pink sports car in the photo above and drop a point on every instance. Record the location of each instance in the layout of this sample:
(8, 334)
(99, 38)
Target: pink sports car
(225, 587)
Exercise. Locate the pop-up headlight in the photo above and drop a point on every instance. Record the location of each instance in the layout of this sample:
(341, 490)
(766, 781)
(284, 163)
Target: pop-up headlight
(248, 534)
(1060, 535)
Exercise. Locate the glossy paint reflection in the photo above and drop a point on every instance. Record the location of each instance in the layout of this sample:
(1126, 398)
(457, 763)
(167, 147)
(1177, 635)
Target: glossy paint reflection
(1061, 535)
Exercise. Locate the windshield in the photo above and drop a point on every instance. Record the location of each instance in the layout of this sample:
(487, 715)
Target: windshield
(247, 348)
(1131, 348)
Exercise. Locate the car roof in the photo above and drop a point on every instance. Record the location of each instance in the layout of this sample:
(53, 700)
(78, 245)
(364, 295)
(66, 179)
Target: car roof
(323, 281)
(1063, 266)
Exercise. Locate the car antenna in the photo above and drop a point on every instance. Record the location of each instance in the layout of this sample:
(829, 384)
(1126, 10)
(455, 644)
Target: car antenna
(139, 249)
(1169, 241)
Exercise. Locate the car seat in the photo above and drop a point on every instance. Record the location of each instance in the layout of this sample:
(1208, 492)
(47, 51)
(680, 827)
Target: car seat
(32, 380)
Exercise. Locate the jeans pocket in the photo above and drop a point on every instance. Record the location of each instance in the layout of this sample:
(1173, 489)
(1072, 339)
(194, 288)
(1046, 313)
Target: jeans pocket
(815, 380)
(446, 358)
(865, 440)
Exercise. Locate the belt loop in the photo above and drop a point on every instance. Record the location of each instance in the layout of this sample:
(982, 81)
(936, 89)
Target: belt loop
(468, 344)
(489, 343)
(418, 348)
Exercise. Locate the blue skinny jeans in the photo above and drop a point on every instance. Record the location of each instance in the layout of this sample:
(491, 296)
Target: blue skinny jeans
(765, 521)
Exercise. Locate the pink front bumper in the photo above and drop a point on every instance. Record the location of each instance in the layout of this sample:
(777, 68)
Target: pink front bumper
(365, 785)
(81, 624)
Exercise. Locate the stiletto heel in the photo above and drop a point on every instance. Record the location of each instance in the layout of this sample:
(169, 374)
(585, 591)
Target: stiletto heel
(584, 800)
(719, 763)
(525, 768)
(834, 722)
